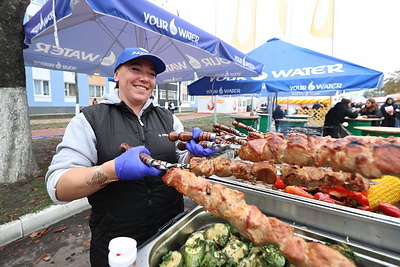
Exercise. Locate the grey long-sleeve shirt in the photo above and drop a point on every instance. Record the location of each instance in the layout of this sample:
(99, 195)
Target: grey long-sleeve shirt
(73, 152)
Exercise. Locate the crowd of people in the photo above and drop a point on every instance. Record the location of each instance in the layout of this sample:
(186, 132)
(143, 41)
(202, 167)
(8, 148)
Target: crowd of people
(388, 112)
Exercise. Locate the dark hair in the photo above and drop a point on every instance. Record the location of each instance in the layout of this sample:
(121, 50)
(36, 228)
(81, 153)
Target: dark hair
(389, 99)
(373, 106)
(345, 101)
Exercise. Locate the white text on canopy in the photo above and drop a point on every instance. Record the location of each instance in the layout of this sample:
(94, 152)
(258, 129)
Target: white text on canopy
(306, 71)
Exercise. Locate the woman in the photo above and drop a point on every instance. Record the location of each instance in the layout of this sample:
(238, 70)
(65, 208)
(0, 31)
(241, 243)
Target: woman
(335, 117)
(128, 198)
(277, 114)
(388, 112)
(371, 110)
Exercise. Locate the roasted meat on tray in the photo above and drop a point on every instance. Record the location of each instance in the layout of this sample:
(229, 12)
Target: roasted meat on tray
(266, 172)
(251, 222)
(369, 156)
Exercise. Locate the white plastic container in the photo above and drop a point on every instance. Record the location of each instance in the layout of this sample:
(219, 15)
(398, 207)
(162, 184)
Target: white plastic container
(122, 252)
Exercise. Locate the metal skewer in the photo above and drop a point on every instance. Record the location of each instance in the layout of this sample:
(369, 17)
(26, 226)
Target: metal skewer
(187, 136)
(206, 144)
(246, 127)
(156, 163)
(228, 129)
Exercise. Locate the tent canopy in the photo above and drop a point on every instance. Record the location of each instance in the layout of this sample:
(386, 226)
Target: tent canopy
(88, 36)
(294, 70)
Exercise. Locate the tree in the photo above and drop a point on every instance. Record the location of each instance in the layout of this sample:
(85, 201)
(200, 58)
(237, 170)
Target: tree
(391, 86)
(17, 161)
(374, 92)
(392, 83)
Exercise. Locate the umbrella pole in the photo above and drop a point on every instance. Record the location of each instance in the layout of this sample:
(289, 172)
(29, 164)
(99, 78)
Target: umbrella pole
(215, 102)
(215, 108)
(77, 95)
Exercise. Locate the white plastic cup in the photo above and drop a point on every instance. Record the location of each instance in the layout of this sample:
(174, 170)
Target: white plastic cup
(122, 252)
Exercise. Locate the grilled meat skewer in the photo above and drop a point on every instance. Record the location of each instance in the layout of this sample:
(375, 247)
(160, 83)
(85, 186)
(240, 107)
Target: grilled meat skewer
(251, 222)
(369, 156)
(267, 172)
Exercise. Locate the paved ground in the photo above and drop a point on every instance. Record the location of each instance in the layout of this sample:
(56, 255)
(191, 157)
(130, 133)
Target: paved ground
(65, 243)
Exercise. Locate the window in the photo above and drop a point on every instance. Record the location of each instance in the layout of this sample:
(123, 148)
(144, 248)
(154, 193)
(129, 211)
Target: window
(39, 2)
(96, 91)
(41, 88)
(170, 88)
(69, 89)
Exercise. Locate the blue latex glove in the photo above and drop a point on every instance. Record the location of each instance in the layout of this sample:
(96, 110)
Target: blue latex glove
(196, 132)
(128, 165)
(196, 149)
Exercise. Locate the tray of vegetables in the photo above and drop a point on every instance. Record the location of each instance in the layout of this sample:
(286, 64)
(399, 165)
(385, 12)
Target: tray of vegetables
(201, 239)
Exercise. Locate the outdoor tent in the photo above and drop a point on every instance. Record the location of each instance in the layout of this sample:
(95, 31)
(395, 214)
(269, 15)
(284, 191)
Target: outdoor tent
(88, 36)
(293, 70)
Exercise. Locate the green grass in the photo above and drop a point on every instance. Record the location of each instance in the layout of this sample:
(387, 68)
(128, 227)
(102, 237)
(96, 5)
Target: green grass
(206, 123)
(23, 198)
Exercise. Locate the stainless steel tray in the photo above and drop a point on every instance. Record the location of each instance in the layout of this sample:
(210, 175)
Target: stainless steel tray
(173, 238)
(379, 232)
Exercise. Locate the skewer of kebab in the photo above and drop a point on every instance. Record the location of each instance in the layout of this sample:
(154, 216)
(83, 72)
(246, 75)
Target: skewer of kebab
(251, 135)
(159, 164)
(261, 171)
(266, 172)
(222, 146)
(371, 157)
(208, 136)
(251, 222)
(245, 127)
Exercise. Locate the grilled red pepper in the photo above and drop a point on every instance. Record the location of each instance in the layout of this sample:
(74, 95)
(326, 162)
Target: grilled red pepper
(323, 197)
(337, 191)
(361, 198)
(389, 209)
(298, 191)
(279, 184)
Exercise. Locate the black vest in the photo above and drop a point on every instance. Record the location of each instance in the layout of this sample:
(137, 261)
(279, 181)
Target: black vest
(132, 208)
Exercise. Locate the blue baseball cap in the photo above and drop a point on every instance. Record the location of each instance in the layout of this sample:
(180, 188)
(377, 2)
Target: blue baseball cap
(131, 53)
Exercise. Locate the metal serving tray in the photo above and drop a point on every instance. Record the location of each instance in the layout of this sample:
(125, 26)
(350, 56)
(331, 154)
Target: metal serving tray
(173, 238)
(377, 231)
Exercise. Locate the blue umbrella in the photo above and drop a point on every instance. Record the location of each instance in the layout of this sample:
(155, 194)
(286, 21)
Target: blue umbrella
(88, 36)
(294, 70)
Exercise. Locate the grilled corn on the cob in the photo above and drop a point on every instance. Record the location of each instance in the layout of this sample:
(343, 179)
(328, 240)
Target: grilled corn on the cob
(387, 191)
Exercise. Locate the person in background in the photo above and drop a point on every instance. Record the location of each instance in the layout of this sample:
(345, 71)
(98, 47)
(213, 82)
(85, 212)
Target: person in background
(388, 112)
(94, 101)
(253, 113)
(306, 107)
(128, 198)
(277, 114)
(316, 105)
(397, 112)
(358, 105)
(371, 110)
(336, 116)
(171, 106)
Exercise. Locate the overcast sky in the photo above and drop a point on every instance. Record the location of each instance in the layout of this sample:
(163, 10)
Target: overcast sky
(365, 31)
